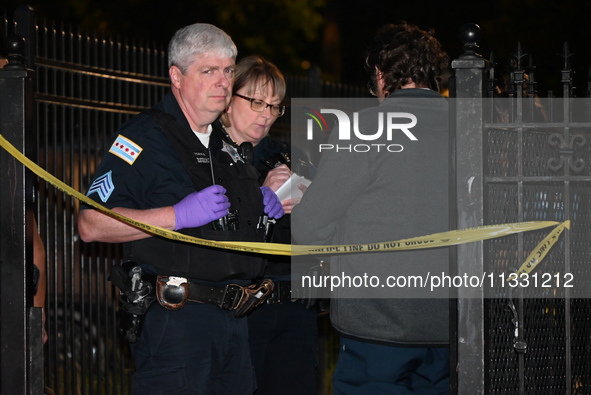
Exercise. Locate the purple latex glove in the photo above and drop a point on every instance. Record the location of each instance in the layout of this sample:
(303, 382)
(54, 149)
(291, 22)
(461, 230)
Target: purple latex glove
(272, 204)
(202, 207)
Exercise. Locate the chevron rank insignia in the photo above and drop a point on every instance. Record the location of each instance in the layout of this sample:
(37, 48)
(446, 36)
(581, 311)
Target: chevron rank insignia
(103, 186)
(125, 149)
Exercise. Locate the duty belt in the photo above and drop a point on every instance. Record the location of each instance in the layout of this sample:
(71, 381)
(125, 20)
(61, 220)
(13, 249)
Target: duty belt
(138, 290)
(173, 292)
(281, 293)
(224, 297)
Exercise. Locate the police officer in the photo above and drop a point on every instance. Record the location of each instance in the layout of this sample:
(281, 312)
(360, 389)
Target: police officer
(283, 333)
(174, 168)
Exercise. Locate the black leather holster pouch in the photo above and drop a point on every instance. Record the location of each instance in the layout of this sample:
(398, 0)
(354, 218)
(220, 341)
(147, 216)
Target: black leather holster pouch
(136, 294)
(310, 295)
(172, 292)
(253, 296)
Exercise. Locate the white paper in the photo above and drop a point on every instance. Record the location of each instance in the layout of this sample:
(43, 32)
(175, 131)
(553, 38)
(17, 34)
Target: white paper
(290, 190)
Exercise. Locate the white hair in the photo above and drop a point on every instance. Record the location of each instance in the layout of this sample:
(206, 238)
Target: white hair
(198, 39)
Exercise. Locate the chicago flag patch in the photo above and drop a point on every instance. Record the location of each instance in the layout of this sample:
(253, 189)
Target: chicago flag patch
(125, 149)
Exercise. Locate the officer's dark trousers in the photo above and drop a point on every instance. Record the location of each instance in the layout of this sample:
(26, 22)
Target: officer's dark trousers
(372, 369)
(200, 349)
(284, 349)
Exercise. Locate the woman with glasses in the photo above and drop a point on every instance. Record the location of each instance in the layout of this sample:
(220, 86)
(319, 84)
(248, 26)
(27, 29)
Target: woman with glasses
(283, 333)
(259, 88)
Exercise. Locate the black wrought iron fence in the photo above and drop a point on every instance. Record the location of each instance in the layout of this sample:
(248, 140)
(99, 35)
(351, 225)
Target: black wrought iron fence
(86, 86)
(530, 161)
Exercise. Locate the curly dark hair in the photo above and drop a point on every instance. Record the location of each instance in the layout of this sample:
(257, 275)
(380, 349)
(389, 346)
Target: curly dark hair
(405, 53)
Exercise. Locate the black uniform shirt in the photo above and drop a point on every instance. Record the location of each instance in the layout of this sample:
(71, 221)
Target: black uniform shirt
(142, 170)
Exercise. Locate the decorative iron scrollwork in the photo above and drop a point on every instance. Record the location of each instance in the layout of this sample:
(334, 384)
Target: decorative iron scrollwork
(566, 151)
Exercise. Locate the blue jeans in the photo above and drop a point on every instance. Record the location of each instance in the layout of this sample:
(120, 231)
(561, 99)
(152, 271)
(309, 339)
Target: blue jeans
(199, 349)
(368, 368)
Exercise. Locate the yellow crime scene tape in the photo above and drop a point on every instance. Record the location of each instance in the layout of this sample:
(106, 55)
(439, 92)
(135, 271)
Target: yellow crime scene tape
(443, 239)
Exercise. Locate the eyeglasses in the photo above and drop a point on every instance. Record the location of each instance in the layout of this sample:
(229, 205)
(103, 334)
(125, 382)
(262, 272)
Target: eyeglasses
(260, 106)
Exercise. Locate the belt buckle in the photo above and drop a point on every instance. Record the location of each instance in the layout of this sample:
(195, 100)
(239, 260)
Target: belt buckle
(233, 293)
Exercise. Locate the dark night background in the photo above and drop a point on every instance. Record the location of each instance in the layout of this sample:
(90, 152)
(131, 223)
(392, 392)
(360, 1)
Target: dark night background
(332, 34)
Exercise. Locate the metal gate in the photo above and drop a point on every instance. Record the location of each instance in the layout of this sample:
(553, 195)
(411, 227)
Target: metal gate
(86, 87)
(520, 158)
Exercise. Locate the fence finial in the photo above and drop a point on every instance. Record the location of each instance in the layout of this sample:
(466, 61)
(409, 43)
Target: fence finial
(531, 83)
(492, 81)
(567, 72)
(469, 35)
(15, 49)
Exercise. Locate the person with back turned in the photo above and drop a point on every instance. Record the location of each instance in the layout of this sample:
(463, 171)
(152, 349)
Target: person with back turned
(392, 341)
